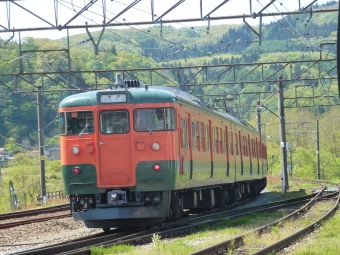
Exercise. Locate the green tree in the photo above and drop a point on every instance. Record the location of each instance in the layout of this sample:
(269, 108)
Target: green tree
(11, 145)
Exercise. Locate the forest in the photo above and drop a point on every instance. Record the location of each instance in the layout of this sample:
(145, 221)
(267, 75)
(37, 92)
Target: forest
(296, 37)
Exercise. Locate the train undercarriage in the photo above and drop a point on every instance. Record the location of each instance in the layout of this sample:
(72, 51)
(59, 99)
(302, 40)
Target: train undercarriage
(125, 209)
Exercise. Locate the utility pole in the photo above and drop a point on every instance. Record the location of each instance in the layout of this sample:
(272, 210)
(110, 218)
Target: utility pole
(41, 146)
(318, 148)
(283, 135)
(258, 115)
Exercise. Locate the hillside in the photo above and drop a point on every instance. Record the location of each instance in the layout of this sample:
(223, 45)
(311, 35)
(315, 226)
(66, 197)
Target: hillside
(289, 38)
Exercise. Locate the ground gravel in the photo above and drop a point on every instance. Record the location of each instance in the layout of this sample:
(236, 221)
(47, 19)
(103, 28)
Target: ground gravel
(41, 234)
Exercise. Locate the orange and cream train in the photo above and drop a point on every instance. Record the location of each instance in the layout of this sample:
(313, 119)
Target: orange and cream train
(136, 155)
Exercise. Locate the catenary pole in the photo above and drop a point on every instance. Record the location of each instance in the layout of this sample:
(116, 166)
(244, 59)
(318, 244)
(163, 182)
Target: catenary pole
(41, 145)
(283, 135)
(318, 148)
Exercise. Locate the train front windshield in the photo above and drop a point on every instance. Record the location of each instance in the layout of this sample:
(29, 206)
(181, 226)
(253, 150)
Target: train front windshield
(76, 122)
(155, 119)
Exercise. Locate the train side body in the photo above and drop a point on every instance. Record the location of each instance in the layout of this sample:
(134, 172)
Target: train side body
(136, 156)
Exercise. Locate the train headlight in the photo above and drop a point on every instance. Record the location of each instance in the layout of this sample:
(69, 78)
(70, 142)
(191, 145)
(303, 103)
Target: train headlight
(155, 146)
(75, 149)
(156, 167)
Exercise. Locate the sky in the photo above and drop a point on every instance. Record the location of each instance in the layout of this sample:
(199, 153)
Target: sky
(20, 18)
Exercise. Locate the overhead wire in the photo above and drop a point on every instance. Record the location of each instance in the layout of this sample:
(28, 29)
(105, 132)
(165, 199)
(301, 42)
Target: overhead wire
(195, 28)
(148, 33)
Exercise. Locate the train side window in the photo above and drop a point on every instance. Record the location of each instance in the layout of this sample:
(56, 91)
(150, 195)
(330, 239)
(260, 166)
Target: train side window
(231, 140)
(221, 143)
(80, 122)
(244, 146)
(114, 122)
(236, 143)
(218, 149)
(207, 137)
(259, 149)
(226, 141)
(193, 135)
(62, 123)
(184, 133)
(224, 148)
(198, 135)
(169, 119)
(214, 139)
(154, 119)
(202, 137)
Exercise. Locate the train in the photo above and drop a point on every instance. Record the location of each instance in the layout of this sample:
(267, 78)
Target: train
(135, 155)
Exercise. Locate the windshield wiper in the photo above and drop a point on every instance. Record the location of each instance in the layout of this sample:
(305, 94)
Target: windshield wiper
(151, 132)
(84, 129)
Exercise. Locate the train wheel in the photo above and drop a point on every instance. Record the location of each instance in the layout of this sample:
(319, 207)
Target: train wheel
(176, 205)
(106, 230)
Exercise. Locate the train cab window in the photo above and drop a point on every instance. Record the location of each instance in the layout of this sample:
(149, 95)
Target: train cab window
(114, 122)
(80, 122)
(154, 119)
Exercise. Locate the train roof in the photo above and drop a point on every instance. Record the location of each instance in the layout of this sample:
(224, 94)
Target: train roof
(138, 93)
(133, 96)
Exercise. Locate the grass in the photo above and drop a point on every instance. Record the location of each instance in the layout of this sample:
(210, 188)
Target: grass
(324, 241)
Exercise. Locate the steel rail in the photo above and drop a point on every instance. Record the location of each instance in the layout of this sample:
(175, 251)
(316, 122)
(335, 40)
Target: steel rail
(34, 220)
(239, 239)
(290, 239)
(34, 212)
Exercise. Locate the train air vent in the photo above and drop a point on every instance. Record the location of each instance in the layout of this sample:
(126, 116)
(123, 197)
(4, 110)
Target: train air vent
(133, 84)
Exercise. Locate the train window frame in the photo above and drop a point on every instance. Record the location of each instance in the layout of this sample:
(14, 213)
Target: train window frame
(76, 122)
(160, 122)
(109, 124)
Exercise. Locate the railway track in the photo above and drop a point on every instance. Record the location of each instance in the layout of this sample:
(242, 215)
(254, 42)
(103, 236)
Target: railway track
(14, 219)
(274, 247)
(186, 226)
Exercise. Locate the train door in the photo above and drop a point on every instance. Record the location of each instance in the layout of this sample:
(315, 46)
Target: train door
(190, 145)
(211, 149)
(241, 151)
(238, 152)
(232, 152)
(185, 152)
(257, 156)
(250, 156)
(115, 149)
(227, 150)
